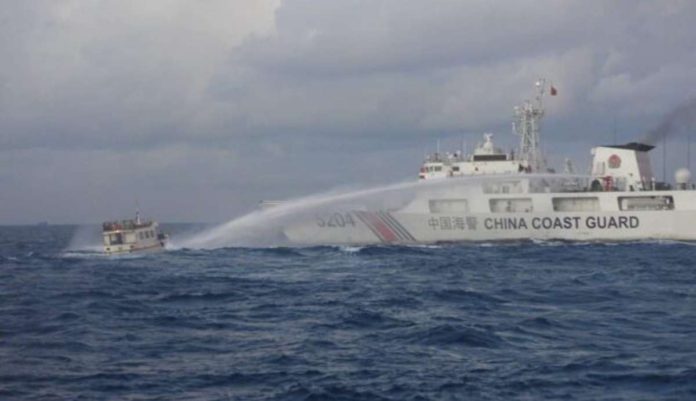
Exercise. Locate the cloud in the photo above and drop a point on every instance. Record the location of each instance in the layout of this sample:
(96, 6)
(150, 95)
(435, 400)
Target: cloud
(361, 36)
(240, 101)
(351, 65)
(115, 73)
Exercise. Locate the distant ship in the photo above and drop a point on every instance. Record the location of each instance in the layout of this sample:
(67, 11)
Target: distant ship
(132, 235)
(492, 195)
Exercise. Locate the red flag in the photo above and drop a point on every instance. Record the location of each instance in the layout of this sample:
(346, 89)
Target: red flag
(554, 92)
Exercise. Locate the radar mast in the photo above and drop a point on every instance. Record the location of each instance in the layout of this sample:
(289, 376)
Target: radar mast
(526, 124)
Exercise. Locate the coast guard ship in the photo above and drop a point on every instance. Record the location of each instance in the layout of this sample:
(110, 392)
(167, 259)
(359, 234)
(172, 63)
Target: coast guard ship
(494, 195)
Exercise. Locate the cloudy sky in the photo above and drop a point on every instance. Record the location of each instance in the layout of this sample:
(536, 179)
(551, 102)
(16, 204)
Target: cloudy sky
(196, 110)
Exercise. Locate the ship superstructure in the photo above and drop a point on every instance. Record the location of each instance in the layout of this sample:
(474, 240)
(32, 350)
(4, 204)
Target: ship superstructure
(489, 159)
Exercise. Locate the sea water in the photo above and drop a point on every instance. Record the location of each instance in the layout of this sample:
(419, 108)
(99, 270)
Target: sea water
(509, 321)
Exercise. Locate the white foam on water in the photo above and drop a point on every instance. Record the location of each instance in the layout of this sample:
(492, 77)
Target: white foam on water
(350, 249)
(82, 254)
(424, 246)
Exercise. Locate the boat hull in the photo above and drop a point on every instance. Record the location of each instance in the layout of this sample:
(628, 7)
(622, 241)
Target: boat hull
(413, 226)
(124, 250)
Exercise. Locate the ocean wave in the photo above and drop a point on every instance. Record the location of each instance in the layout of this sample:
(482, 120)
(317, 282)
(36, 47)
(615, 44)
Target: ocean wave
(513, 320)
(451, 334)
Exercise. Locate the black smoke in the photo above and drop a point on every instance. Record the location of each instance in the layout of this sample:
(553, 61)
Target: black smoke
(680, 120)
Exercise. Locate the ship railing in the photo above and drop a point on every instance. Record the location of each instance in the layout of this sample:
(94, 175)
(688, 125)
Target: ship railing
(445, 157)
(124, 225)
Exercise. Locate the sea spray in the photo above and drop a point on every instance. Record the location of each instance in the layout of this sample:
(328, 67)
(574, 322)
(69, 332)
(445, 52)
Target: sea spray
(86, 238)
(264, 227)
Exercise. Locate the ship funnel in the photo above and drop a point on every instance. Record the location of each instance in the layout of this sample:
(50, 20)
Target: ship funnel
(623, 167)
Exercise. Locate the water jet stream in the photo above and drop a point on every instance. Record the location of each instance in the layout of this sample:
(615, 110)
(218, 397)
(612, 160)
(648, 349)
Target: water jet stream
(263, 227)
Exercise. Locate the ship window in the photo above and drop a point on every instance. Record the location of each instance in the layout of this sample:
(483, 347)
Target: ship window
(486, 158)
(115, 239)
(438, 168)
(152, 233)
(141, 236)
(497, 187)
(511, 205)
(633, 203)
(455, 168)
(576, 204)
(448, 206)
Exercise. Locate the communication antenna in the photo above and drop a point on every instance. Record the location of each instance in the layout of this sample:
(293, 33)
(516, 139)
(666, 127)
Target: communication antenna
(664, 158)
(137, 211)
(688, 151)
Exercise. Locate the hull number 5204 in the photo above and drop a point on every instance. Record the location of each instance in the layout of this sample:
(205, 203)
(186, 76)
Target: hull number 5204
(336, 220)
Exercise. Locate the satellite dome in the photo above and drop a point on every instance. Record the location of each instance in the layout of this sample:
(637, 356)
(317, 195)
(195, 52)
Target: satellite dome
(682, 176)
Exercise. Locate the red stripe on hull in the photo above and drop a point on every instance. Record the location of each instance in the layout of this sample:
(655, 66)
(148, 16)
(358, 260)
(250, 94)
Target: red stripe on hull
(384, 231)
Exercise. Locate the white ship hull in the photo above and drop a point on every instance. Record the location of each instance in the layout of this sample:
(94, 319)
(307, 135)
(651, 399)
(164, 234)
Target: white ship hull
(122, 250)
(676, 221)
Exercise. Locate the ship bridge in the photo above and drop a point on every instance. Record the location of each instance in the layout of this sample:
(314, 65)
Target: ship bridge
(486, 159)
